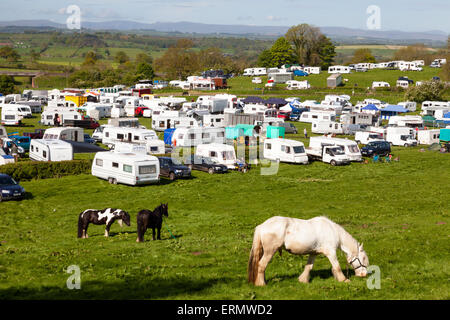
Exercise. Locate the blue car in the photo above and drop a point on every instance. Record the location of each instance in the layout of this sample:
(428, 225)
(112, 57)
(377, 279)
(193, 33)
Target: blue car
(10, 189)
(22, 141)
(88, 139)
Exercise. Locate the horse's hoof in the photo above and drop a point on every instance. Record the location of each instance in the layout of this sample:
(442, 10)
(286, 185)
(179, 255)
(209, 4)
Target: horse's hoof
(303, 280)
(347, 280)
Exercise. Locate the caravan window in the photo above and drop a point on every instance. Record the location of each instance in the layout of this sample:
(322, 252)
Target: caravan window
(153, 149)
(32, 148)
(9, 117)
(147, 169)
(44, 154)
(192, 136)
(136, 137)
(205, 135)
(120, 136)
(98, 162)
(212, 154)
(127, 168)
(161, 124)
(314, 117)
(268, 146)
(115, 165)
(299, 149)
(353, 148)
(227, 155)
(49, 117)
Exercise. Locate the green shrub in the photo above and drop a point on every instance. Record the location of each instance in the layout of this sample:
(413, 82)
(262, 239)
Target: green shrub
(45, 170)
(428, 90)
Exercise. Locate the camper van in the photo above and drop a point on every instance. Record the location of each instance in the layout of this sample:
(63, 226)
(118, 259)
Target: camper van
(406, 121)
(428, 136)
(188, 137)
(111, 135)
(285, 150)
(338, 69)
(219, 153)
(327, 127)
(401, 136)
(410, 105)
(126, 168)
(350, 147)
(364, 137)
(65, 133)
(313, 116)
(403, 83)
(50, 150)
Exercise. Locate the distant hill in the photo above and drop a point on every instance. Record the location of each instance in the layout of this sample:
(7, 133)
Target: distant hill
(339, 34)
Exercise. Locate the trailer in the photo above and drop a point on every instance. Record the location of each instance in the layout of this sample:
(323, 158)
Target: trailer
(428, 136)
(285, 150)
(50, 150)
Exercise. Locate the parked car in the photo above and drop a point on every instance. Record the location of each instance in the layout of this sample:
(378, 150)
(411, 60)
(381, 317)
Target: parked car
(172, 169)
(22, 141)
(205, 164)
(88, 138)
(376, 148)
(7, 144)
(37, 134)
(139, 111)
(10, 189)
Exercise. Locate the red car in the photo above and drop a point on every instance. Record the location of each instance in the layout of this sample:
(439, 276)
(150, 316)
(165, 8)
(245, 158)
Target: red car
(139, 111)
(284, 114)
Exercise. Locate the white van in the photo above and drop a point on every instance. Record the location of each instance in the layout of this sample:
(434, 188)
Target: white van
(380, 84)
(111, 135)
(50, 150)
(364, 137)
(285, 150)
(349, 147)
(219, 153)
(313, 116)
(401, 136)
(65, 133)
(127, 168)
(428, 136)
(297, 85)
(189, 137)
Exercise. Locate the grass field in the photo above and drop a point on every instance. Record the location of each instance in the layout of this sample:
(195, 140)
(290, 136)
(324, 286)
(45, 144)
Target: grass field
(399, 211)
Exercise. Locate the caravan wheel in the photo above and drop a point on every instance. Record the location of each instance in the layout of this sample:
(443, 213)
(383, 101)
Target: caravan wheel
(211, 170)
(333, 163)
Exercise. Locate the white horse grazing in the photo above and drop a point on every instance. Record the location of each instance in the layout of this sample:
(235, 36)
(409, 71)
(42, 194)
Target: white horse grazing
(315, 236)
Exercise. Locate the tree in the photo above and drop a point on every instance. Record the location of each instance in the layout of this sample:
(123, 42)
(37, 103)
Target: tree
(9, 54)
(281, 53)
(178, 61)
(445, 72)
(143, 57)
(121, 57)
(7, 84)
(311, 47)
(34, 56)
(428, 90)
(363, 55)
(145, 71)
(413, 52)
(90, 59)
(265, 59)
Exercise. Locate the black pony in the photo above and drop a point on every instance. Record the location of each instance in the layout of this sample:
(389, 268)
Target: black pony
(106, 216)
(151, 219)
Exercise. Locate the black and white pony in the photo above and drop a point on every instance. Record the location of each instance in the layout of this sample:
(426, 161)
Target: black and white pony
(106, 216)
(151, 219)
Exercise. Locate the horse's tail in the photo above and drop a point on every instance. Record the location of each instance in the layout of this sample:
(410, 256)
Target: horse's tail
(80, 225)
(256, 254)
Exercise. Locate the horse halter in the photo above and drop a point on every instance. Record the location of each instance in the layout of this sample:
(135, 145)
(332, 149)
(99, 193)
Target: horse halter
(360, 264)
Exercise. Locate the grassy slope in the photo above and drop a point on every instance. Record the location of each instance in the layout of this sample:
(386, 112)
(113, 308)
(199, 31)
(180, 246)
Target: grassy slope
(399, 210)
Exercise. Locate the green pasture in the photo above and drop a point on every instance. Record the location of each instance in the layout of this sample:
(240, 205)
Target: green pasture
(399, 210)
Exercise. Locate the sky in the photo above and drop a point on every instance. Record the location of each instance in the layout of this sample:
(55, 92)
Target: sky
(403, 15)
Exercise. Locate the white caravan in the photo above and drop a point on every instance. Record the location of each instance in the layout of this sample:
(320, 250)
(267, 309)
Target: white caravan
(285, 150)
(154, 146)
(127, 168)
(213, 120)
(312, 70)
(401, 136)
(50, 150)
(11, 117)
(65, 133)
(402, 84)
(3, 132)
(406, 121)
(219, 153)
(189, 137)
(380, 84)
(255, 72)
(163, 122)
(130, 106)
(338, 69)
(428, 136)
(22, 110)
(364, 137)
(410, 105)
(251, 108)
(111, 135)
(297, 85)
(313, 116)
(48, 117)
(327, 127)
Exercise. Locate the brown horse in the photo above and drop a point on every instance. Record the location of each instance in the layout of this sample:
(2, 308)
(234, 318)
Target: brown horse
(151, 219)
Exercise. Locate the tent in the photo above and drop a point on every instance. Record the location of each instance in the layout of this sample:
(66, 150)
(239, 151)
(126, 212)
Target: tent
(252, 99)
(273, 132)
(370, 107)
(300, 73)
(233, 132)
(392, 110)
(277, 101)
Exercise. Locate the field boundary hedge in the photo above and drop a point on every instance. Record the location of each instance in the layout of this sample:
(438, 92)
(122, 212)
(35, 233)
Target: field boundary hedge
(46, 170)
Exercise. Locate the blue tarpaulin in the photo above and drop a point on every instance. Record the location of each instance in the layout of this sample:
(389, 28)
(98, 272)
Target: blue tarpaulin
(300, 73)
(370, 107)
(168, 133)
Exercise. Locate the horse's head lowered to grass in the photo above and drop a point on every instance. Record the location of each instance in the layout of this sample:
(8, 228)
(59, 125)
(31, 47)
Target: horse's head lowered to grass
(359, 262)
